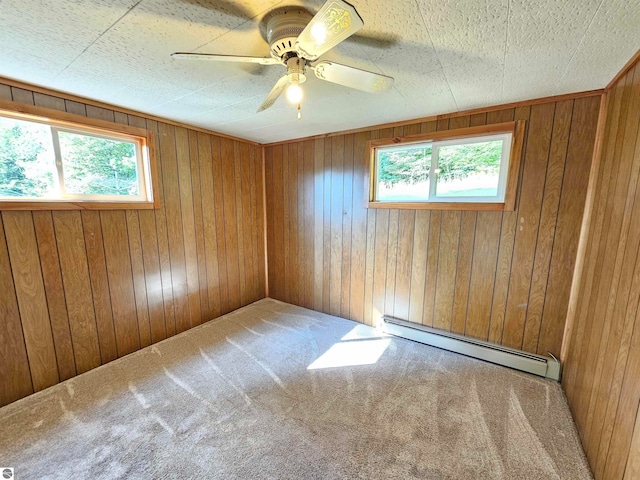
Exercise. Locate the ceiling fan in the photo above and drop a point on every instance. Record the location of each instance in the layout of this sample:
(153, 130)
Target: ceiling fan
(297, 39)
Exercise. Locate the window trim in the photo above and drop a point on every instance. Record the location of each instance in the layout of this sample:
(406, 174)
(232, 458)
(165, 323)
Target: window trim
(517, 130)
(79, 124)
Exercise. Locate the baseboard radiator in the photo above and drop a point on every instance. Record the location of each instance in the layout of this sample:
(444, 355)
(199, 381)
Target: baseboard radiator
(548, 367)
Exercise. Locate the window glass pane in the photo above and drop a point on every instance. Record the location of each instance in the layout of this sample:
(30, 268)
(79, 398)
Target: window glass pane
(27, 160)
(403, 174)
(98, 166)
(471, 170)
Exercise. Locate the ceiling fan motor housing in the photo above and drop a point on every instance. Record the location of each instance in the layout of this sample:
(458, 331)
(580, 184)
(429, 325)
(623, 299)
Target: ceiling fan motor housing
(296, 68)
(284, 27)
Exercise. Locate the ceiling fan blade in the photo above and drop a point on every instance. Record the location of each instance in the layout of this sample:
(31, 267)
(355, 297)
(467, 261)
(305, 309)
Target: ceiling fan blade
(275, 92)
(352, 77)
(225, 58)
(336, 21)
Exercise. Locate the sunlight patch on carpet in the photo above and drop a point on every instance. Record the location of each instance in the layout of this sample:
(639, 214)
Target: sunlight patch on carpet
(351, 353)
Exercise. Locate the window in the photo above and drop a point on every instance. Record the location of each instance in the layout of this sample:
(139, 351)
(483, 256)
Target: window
(67, 161)
(471, 168)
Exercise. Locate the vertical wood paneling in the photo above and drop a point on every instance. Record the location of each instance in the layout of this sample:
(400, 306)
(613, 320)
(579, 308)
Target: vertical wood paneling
(5, 92)
(217, 162)
(286, 219)
(269, 168)
(505, 251)
(239, 227)
(358, 230)
(308, 188)
(548, 218)
(163, 242)
(572, 200)
(137, 270)
(535, 167)
(433, 249)
(602, 351)
(291, 207)
(463, 271)
(170, 181)
(201, 261)
(183, 149)
(248, 259)
(326, 233)
(483, 274)
(79, 289)
(318, 221)
(406, 225)
(125, 320)
(257, 215)
(420, 242)
(32, 302)
(50, 263)
(15, 376)
(475, 273)
(92, 230)
(633, 462)
(276, 288)
(230, 224)
(205, 174)
(392, 257)
(75, 278)
(369, 267)
(152, 275)
(447, 261)
(347, 220)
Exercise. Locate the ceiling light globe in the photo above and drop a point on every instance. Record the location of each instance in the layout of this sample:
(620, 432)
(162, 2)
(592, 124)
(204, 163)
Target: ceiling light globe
(294, 93)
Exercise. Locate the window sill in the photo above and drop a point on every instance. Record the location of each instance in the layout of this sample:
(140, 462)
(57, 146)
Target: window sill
(477, 206)
(61, 205)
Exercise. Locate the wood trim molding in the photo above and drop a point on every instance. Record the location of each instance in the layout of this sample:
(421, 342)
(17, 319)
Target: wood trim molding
(476, 206)
(153, 167)
(460, 113)
(115, 108)
(59, 118)
(33, 206)
(509, 204)
(627, 66)
(69, 119)
(507, 127)
(517, 145)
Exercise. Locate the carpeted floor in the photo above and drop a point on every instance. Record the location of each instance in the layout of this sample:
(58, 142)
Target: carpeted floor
(277, 391)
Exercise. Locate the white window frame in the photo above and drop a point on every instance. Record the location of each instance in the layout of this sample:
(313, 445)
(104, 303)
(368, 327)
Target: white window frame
(431, 196)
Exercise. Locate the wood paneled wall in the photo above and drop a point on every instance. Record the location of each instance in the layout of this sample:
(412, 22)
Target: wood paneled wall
(602, 345)
(498, 276)
(79, 289)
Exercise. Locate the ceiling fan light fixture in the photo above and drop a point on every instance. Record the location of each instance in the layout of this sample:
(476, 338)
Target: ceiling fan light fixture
(294, 93)
(297, 39)
(319, 33)
(334, 22)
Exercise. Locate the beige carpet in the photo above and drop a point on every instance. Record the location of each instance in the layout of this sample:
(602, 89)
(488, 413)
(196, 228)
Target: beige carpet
(277, 391)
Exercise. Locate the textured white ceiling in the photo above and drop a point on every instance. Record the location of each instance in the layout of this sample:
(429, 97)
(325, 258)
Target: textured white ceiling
(447, 55)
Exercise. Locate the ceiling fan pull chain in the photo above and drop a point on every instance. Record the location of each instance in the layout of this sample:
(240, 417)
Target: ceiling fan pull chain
(299, 114)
